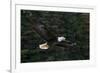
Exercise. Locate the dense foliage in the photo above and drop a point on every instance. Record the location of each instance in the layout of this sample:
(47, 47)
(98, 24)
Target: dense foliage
(72, 25)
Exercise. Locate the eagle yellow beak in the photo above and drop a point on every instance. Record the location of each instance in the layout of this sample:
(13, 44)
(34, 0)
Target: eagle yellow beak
(44, 46)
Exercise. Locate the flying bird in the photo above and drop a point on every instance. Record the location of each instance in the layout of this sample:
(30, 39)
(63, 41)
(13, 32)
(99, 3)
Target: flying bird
(49, 36)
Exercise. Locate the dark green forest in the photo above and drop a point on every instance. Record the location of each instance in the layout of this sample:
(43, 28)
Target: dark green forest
(45, 26)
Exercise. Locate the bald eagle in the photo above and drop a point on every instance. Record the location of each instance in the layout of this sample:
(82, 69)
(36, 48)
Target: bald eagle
(49, 36)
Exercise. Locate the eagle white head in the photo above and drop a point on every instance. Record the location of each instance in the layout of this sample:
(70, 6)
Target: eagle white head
(60, 39)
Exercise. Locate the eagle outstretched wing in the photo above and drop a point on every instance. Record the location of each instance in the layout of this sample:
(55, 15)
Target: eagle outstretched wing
(42, 30)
